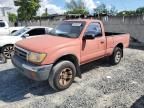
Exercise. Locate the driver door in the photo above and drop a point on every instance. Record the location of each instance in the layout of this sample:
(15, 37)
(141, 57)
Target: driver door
(93, 48)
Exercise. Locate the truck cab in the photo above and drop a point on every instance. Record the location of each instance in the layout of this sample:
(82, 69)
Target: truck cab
(5, 29)
(61, 53)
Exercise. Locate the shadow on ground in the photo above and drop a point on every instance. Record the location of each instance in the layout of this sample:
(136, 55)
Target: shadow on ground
(137, 46)
(16, 87)
(139, 103)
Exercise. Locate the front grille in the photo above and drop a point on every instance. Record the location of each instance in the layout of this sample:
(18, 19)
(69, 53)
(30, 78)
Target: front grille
(21, 53)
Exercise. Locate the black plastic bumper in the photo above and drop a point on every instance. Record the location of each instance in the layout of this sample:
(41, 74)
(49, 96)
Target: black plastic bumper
(38, 73)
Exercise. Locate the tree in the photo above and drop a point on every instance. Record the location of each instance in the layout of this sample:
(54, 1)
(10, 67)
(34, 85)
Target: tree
(12, 17)
(112, 11)
(27, 9)
(100, 10)
(126, 13)
(140, 11)
(76, 7)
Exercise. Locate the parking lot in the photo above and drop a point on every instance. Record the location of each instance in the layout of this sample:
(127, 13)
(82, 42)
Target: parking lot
(101, 86)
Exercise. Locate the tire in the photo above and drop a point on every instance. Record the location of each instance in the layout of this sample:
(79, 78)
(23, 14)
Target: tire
(7, 51)
(2, 59)
(62, 75)
(115, 58)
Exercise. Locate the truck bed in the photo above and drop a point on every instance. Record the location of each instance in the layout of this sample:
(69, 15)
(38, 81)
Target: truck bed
(113, 34)
(113, 39)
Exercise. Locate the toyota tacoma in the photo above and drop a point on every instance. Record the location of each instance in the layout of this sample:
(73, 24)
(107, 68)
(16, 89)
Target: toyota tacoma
(58, 56)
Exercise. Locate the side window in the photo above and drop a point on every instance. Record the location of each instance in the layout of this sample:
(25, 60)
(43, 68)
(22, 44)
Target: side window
(95, 28)
(39, 31)
(2, 24)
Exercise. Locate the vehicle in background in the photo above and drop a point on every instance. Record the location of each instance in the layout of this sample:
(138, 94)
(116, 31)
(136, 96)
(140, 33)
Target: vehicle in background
(7, 42)
(5, 29)
(71, 44)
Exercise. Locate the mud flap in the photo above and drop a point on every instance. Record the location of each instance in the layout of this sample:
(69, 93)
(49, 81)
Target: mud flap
(78, 74)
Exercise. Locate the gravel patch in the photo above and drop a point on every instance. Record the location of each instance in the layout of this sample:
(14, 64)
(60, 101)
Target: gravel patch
(101, 86)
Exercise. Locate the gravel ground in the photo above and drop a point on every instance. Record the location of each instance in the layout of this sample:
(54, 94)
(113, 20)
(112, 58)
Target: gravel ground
(102, 86)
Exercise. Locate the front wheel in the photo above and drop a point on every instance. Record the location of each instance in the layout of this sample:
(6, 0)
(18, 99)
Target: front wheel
(62, 75)
(7, 51)
(116, 56)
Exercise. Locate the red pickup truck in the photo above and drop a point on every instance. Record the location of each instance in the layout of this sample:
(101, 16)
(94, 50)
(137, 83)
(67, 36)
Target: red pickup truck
(57, 57)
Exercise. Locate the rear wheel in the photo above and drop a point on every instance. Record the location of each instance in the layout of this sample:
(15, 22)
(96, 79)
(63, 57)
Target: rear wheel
(7, 51)
(116, 57)
(62, 75)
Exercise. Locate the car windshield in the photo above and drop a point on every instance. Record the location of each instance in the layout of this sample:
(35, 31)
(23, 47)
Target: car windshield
(19, 32)
(69, 29)
(2, 24)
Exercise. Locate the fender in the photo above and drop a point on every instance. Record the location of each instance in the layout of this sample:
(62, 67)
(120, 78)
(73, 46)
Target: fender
(73, 58)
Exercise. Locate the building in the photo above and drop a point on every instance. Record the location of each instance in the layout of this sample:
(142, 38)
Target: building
(3, 13)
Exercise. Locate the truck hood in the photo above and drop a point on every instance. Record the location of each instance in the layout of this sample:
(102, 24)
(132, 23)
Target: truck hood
(44, 43)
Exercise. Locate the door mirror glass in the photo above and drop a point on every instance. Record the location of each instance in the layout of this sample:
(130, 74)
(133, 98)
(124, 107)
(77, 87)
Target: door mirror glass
(89, 35)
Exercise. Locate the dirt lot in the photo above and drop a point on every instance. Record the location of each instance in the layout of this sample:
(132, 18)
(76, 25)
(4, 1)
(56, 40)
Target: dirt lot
(102, 86)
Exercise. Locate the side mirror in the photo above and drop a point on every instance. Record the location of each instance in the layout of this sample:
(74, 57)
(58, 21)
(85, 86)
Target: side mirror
(89, 35)
(25, 35)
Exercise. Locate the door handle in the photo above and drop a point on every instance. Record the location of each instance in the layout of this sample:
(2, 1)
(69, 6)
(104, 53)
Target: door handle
(102, 42)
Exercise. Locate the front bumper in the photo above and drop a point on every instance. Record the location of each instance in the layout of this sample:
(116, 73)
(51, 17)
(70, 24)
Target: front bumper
(38, 73)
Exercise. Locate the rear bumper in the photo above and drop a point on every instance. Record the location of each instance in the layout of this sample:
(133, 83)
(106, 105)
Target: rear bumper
(38, 73)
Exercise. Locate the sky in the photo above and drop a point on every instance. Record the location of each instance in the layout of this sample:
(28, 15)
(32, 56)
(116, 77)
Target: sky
(58, 6)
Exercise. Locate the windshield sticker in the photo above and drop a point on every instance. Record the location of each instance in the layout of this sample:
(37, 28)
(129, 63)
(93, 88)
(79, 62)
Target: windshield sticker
(77, 24)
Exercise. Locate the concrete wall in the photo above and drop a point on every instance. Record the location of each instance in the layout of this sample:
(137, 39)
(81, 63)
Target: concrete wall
(132, 25)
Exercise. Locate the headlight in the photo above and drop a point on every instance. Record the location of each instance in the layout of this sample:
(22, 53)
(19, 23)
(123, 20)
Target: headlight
(36, 57)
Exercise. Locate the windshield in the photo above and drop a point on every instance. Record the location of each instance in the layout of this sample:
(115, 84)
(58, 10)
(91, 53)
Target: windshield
(2, 24)
(69, 29)
(19, 32)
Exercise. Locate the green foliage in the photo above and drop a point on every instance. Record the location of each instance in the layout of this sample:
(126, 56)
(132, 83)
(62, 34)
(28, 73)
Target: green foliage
(78, 11)
(44, 15)
(76, 7)
(12, 17)
(27, 9)
(112, 11)
(101, 9)
(126, 13)
(140, 11)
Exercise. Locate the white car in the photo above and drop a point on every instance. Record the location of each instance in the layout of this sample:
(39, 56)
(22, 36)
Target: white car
(6, 30)
(7, 42)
